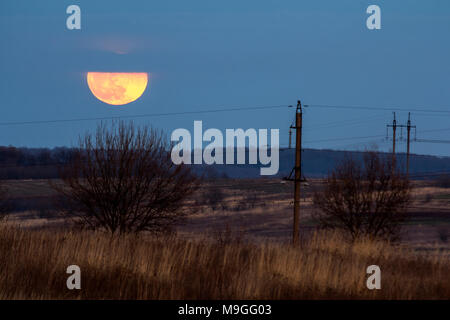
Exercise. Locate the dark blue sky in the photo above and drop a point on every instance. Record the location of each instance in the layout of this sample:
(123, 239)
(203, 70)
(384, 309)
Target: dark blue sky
(214, 55)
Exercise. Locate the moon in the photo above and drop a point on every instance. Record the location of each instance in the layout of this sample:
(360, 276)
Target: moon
(117, 88)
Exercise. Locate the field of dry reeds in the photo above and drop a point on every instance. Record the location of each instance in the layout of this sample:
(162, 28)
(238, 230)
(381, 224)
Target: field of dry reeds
(33, 266)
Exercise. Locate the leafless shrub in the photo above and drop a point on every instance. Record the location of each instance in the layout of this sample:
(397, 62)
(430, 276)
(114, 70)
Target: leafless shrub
(5, 203)
(443, 234)
(443, 181)
(249, 200)
(214, 197)
(428, 198)
(122, 179)
(45, 213)
(228, 235)
(367, 199)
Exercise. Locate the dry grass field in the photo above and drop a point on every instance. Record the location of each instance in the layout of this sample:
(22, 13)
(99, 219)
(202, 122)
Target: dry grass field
(33, 265)
(234, 244)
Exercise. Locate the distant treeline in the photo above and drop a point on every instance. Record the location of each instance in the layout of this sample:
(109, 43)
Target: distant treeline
(32, 163)
(43, 163)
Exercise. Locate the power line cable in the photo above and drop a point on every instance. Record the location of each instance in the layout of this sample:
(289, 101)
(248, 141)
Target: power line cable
(233, 109)
(347, 123)
(435, 130)
(392, 108)
(346, 138)
(431, 141)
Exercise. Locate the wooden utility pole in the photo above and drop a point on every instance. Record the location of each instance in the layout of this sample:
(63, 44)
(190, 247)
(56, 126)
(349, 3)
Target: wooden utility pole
(298, 172)
(394, 137)
(394, 129)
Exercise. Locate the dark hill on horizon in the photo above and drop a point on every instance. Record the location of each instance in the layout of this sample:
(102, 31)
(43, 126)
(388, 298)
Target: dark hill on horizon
(42, 163)
(317, 163)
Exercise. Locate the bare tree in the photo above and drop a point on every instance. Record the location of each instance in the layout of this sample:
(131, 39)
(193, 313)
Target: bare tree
(364, 199)
(122, 179)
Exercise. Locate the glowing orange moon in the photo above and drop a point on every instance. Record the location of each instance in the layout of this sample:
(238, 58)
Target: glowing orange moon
(117, 88)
